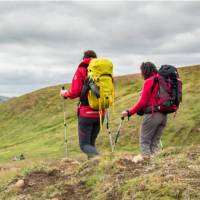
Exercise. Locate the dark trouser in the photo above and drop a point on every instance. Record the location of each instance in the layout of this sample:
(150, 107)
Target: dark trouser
(151, 131)
(88, 130)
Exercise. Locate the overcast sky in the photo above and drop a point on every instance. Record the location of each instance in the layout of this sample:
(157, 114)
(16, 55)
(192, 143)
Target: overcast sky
(41, 43)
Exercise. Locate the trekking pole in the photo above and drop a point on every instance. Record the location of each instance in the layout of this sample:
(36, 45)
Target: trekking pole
(161, 144)
(109, 132)
(65, 124)
(118, 132)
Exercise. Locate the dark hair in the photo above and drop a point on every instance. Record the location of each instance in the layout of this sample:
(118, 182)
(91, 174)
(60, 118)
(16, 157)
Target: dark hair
(89, 54)
(148, 69)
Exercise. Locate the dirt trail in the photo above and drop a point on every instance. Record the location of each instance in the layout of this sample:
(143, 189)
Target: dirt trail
(4, 169)
(7, 170)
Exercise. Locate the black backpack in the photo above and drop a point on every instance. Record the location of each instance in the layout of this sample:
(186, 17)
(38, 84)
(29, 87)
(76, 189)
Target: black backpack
(169, 93)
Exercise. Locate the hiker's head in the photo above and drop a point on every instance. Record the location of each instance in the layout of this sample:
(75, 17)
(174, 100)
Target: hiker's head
(147, 69)
(89, 54)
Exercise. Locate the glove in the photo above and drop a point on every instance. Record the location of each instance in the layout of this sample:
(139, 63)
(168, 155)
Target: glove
(63, 93)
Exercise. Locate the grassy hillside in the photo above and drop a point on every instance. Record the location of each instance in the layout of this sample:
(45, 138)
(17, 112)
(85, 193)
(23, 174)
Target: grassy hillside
(33, 124)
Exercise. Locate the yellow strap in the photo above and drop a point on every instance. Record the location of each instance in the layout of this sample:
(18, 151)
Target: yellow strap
(100, 114)
(113, 104)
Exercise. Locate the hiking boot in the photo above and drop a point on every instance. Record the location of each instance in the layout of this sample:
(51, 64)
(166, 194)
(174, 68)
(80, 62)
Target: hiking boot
(138, 158)
(141, 157)
(90, 156)
(146, 156)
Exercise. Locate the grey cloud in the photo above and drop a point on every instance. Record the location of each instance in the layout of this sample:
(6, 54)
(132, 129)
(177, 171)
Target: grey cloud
(117, 25)
(39, 76)
(44, 41)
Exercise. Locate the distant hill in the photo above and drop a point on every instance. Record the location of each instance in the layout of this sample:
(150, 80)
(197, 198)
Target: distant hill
(2, 98)
(33, 123)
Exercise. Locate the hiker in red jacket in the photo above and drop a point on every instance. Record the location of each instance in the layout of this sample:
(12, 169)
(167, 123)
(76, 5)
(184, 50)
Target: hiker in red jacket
(88, 119)
(153, 121)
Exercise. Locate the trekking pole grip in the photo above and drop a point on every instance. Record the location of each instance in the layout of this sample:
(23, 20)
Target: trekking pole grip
(63, 88)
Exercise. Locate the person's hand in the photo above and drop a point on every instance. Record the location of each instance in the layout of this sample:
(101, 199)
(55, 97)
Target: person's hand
(124, 114)
(63, 93)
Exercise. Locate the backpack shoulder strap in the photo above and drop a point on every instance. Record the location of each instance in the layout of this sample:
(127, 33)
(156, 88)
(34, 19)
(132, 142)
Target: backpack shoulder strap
(83, 64)
(85, 89)
(155, 81)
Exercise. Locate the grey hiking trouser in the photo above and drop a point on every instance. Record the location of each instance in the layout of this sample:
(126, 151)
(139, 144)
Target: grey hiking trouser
(88, 130)
(151, 131)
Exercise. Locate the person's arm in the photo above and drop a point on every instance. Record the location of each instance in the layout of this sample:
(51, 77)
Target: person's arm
(144, 98)
(77, 84)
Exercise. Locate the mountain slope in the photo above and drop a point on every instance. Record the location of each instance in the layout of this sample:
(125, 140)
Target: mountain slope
(33, 124)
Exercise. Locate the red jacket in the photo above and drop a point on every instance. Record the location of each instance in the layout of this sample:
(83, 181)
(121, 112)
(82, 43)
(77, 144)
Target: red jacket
(147, 97)
(76, 88)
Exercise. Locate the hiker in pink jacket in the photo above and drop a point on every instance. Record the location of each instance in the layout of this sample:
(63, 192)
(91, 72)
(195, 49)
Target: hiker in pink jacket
(154, 121)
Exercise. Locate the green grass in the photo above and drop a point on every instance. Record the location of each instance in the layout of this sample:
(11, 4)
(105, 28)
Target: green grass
(33, 124)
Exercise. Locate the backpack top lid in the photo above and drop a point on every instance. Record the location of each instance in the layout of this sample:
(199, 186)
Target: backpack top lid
(168, 71)
(100, 66)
